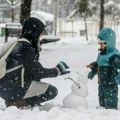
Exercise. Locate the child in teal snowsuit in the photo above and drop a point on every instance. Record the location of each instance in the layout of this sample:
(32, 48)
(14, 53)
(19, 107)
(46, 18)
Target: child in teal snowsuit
(107, 67)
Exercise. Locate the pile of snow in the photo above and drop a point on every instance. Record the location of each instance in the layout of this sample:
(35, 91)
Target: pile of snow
(43, 16)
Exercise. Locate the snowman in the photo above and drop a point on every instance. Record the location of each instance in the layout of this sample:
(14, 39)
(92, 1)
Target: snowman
(79, 92)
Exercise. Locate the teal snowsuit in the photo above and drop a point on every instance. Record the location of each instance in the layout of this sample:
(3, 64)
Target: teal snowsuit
(106, 66)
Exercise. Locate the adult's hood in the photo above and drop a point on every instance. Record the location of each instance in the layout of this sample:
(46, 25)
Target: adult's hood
(108, 36)
(32, 28)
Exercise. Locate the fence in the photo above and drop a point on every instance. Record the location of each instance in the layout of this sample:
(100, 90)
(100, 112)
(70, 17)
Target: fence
(76, 28)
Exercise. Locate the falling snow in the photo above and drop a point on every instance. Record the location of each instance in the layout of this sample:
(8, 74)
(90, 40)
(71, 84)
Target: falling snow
(77, 53)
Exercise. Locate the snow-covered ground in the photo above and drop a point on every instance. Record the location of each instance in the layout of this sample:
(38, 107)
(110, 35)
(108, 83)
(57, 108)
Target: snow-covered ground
(77, 53)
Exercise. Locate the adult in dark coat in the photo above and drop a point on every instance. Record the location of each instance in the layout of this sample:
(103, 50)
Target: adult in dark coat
(22, 86)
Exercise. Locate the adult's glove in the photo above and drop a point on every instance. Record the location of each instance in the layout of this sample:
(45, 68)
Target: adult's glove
(91, 74)
(61, 68)
(117, 79)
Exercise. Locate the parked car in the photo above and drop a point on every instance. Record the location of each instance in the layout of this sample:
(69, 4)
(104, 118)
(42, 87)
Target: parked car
(49, 38)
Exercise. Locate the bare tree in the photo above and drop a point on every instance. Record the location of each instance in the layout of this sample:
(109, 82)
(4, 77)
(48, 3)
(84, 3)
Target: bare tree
(13, 4)
(25, 10)
(82, 8)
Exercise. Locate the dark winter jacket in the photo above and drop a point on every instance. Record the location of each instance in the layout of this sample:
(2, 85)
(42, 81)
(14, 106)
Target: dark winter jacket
(15, 84)
(23, 53)
(107, 64)
(106, 74)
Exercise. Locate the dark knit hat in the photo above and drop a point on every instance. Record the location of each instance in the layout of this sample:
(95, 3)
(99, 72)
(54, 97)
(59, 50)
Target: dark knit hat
(32, 28)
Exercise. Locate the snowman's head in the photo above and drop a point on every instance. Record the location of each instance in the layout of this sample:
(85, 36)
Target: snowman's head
(82, 79)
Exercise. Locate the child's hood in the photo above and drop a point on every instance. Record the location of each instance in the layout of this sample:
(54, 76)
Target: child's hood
(108, 35)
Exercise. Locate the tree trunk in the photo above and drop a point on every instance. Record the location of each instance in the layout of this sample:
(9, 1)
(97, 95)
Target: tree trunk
(12, 15)
(86, 32)
(12, 12)
(101, 14)
(25, 10)
(55, 16)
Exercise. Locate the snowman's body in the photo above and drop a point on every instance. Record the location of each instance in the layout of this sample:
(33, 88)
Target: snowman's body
(77, 97)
